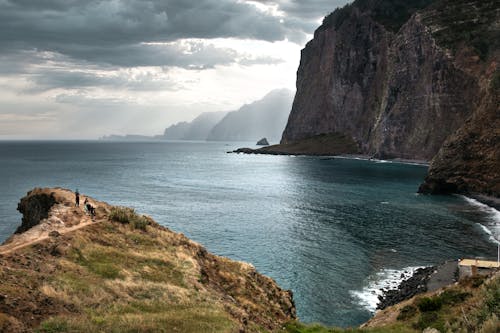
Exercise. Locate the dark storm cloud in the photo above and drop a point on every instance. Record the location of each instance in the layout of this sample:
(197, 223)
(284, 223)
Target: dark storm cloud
(100, 31)
(112, 31)
(75, 44)
(72, 26)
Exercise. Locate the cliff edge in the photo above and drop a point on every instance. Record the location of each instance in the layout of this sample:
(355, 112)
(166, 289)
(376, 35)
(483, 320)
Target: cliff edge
(119, 271)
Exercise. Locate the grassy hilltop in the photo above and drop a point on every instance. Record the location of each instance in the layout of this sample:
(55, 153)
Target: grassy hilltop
(123, 272)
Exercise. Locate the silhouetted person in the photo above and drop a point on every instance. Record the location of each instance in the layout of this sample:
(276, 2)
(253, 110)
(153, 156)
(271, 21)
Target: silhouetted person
(77, 198)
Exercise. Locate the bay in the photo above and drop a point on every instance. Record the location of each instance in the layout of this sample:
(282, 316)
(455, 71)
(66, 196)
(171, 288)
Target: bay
(328, 229)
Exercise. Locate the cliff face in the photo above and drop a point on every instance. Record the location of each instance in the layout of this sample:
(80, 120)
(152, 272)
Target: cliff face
(469, 161)
(121, 272)
(398, 91)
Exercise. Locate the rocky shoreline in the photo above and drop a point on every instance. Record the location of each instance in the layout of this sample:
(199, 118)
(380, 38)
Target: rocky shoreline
(423, 280)
(416, 284)
(271, 151)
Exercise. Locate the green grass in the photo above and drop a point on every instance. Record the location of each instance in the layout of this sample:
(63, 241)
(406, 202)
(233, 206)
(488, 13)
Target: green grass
(53, 326)
(471, 305)
(176, 318)
(100, 262)
(297, 327)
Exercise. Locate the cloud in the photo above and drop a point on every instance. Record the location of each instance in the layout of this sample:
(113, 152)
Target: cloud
(63, 61)
(138, 80)
(304, 10)
(93, 29)
(144, 68)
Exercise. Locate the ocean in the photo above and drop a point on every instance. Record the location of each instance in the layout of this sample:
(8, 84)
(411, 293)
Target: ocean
(334, 231)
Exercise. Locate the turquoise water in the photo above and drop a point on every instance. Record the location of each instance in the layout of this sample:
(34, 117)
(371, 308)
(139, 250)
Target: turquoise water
(329, 230)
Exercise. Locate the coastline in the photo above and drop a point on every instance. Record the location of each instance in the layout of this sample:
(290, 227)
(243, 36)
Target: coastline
(424, 279)
(490, 201)
(361, 157)
(376, 160)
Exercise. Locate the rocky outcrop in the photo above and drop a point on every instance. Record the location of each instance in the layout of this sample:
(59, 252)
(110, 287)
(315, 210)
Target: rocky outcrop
(408, 288)
(319, 145)
(263, 142)
(35, 207)
(397, 90)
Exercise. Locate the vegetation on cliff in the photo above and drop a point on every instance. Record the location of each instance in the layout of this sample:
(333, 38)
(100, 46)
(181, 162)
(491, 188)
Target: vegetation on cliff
(392, 14)
(473, 305)
(122, 272)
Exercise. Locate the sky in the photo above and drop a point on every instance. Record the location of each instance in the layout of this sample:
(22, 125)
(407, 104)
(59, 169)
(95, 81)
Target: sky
(72, 69)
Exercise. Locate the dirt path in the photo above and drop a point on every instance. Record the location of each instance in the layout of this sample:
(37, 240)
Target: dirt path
(63, 218)
(18, 244)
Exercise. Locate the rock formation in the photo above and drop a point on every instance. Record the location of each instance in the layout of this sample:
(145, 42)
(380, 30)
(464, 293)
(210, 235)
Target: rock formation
(263, 142)
(318, 145)
(400, 77)
(34, 207)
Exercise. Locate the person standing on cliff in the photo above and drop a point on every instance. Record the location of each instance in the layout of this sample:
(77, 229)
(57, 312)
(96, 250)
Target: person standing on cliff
(77, 198)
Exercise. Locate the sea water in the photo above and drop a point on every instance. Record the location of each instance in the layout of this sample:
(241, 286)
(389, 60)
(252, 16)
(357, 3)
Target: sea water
(334, 231)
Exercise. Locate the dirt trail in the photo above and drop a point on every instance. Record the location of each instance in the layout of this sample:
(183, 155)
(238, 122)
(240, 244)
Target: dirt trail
(63, 218)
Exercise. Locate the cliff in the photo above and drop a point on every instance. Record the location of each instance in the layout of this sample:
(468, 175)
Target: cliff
(122, 272)
(264, 118)
(401, 78)
(469, 160)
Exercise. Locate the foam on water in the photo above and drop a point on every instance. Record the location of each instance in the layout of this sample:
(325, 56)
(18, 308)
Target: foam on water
(384, 279)
(492, 227)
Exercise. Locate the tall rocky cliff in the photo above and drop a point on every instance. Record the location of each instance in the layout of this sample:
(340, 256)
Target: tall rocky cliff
(400, 77)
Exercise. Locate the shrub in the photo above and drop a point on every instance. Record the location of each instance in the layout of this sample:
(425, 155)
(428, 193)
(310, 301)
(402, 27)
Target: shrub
(429, 304)
(491, 325)
(407, 312)
(450, 297)
(427, 319)
(127, 215)
(495, 81)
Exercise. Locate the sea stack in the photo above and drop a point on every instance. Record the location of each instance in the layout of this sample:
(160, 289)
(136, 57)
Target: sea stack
(263, 142)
